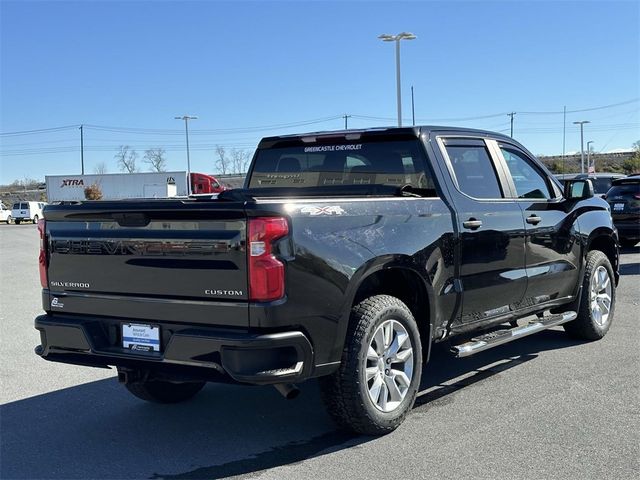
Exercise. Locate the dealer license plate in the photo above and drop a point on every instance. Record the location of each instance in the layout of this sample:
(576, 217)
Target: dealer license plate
(618, 206)
(140, 337)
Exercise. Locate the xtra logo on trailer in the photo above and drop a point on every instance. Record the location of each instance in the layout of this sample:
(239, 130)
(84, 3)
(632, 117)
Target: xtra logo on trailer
(72, 182)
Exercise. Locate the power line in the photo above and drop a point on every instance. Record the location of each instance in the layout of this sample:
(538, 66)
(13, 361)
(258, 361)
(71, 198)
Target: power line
(257, 128)
(626, 102)
(41, 130)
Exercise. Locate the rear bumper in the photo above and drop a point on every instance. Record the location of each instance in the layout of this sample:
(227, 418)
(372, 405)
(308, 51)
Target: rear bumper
(187, 352)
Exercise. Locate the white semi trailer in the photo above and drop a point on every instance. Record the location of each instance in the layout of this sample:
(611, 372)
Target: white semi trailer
(115, 186)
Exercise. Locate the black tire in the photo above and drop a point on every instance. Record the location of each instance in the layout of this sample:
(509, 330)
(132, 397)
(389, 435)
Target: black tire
(346, 391)
(35, 219)
(16, 221)
(9, 220)
(164, 392)
(585, 326)
(628, 243)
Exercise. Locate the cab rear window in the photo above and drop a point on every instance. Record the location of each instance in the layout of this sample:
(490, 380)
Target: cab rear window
(396, 163)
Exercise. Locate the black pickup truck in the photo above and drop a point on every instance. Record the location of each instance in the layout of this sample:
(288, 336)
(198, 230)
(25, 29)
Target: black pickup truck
(346, 256)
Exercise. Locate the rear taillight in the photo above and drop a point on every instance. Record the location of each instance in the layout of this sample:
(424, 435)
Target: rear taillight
(42, 257)
(266, 272)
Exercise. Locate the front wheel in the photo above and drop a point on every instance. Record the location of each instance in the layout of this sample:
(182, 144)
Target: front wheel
(597, 299)
(377, 381)
(35, 219)
(16, 221)
(158, 391)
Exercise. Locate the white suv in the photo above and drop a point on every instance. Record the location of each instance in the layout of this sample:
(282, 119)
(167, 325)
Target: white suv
(31, 211)
(5, 214)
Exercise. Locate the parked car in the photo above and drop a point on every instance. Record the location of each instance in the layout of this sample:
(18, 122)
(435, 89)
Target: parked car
(27, 211)
(5, 214)
(601, 181)
(624, 200)
(346, 257)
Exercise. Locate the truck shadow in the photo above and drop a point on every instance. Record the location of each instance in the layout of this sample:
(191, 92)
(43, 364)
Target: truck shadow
(98, 430)
(630, 268)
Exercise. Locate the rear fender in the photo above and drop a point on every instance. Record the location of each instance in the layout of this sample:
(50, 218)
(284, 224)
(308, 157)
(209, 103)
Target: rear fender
(373, 266)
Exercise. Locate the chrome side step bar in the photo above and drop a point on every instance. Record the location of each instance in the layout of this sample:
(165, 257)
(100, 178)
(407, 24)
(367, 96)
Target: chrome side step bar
(500, 337)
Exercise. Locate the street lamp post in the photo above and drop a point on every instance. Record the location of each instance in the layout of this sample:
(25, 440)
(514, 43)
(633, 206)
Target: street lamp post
(385, 37)
(589, 157)
(186, 119)
(581, 123)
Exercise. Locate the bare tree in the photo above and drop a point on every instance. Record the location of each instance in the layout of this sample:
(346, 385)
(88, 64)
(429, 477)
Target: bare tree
(239, 160)
(155, 158)
(223, 164)
(93, 192)
(100, 168)
(126, 158)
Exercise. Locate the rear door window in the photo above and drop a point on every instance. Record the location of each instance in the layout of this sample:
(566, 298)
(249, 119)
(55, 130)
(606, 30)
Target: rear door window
(474, 169)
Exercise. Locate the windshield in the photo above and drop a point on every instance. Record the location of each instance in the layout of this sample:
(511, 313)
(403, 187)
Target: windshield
(395, 163)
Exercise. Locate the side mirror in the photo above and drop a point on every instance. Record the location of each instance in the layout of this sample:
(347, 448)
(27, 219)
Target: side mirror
(578, 189)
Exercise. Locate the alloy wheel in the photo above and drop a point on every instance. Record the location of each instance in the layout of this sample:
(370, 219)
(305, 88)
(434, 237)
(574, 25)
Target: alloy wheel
(389, 365)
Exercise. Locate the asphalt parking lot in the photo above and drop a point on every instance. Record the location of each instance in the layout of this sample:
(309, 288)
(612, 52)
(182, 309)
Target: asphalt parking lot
(543, 407)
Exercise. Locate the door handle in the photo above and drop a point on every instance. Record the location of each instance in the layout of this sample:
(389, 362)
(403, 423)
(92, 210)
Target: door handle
(472, 224)
(534, 220)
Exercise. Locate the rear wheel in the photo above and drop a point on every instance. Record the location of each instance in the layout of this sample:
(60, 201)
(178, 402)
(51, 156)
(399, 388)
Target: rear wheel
(9, 220)
(377, 381)
(597, 299)
(158, 391)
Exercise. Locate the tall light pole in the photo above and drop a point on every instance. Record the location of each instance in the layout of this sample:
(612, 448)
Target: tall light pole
(581, 123)
(385, 37)
(413, 109)
(589, 157)
(186, 119)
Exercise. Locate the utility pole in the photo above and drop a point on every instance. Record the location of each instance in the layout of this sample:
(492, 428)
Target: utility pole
(82, 147)
(581, 123)
(564, 134)
(511, 115)
(413, 110)
(385, 37)
(345, 116)
(186, 119)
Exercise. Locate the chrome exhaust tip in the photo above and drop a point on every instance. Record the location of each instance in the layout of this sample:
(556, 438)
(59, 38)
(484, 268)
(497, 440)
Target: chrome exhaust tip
(287, 390)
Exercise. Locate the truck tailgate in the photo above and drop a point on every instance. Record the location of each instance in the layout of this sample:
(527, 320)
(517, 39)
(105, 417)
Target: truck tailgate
(169, 258)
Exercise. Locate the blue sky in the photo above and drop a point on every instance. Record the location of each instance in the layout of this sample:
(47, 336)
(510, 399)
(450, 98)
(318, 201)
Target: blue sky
(246, 67)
